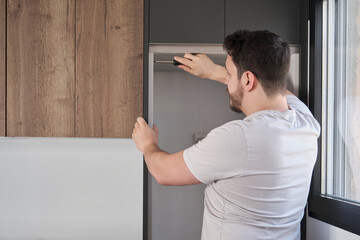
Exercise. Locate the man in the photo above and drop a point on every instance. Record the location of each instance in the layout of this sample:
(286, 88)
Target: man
(258, 169)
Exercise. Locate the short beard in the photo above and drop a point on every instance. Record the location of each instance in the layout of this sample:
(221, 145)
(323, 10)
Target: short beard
(236, 99)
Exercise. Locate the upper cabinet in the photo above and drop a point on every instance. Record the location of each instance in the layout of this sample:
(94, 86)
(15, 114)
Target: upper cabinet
(73, 68)
(209, 21)
(279, 16)
(186, 21)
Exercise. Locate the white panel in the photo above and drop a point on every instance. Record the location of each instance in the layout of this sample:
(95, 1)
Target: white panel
(70, 188)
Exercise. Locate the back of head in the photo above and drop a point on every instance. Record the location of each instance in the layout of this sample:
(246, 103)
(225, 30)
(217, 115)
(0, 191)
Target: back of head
(263, 53)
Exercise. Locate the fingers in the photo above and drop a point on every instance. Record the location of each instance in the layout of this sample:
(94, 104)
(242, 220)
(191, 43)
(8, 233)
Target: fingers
(183, 61)
(190, 56)
(141, 121)
(134, 132)
(187, 59)
(185, 68)
(156, 129)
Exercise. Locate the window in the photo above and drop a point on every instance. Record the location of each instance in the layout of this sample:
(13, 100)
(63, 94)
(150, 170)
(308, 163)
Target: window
(341, 100)
(335, 101)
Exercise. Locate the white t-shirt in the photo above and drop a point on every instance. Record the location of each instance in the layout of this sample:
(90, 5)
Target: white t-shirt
(258, 173)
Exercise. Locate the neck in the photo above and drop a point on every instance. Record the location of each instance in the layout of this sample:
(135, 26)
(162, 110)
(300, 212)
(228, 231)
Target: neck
(277, 103)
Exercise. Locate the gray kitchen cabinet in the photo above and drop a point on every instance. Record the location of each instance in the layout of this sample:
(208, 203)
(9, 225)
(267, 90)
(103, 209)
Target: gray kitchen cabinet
(186, 21)
(279, 16)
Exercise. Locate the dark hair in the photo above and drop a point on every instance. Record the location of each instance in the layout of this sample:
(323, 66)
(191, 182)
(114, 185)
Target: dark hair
(263, 53)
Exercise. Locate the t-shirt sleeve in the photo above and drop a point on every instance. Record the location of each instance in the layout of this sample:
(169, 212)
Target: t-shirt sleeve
(221, 154)
(298, 105)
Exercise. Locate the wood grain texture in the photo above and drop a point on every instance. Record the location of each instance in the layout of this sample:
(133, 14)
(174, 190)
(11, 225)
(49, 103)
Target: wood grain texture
(40, 67)
(2, 67)
(109, 67)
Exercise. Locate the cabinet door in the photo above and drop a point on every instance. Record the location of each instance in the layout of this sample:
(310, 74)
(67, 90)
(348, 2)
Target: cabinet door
(40, 68)
(186, 21)
(109, 67)
(279, 16)
(74, 68)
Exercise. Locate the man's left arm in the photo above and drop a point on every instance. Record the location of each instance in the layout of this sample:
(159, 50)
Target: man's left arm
(167, 169)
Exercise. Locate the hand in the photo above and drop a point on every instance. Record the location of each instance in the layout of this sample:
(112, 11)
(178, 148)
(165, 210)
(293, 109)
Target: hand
(202, 66)
(144, 136)
(198, 65)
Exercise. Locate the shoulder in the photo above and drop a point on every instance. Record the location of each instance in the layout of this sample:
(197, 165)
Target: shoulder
(227, 136)
(221, 154)
(296, 104)
(233, 128)
(303, 113)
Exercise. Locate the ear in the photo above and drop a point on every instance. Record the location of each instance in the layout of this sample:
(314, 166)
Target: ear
(249, 81)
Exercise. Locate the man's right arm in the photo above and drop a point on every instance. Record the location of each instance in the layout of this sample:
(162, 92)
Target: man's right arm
(202, 66)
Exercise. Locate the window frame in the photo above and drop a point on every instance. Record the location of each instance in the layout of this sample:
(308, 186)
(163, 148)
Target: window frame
(340, 213)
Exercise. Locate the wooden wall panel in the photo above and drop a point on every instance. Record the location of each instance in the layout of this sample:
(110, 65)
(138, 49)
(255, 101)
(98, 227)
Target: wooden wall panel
(40, 68)
(109, 67)
(2, 67)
